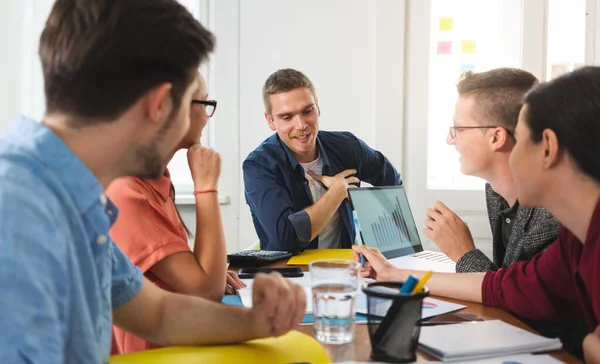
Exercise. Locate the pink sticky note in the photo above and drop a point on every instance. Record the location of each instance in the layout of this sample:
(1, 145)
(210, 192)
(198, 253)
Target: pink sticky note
(444, 47)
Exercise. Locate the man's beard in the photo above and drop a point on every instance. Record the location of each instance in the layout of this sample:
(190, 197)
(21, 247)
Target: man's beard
(150, 161)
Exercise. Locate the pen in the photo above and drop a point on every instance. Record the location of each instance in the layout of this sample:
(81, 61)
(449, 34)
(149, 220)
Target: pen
(422, 282)
(358, 237)
(408, 286)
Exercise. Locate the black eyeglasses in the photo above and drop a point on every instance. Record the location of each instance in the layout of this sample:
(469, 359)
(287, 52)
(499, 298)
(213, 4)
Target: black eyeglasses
(210, 106)
(453, 129)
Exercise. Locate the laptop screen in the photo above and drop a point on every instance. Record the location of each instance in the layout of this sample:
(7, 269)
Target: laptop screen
(385, 220)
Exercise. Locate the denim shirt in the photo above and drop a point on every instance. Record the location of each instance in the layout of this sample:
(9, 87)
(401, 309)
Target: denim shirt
(60, 274)
(277, 191)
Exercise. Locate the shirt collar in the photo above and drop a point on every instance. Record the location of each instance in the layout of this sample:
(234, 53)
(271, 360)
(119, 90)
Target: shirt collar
(294, 162)
(60, 161)
(162, 185)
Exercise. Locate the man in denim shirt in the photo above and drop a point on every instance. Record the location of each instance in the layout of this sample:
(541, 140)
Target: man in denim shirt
(296, 181)
(119, 76)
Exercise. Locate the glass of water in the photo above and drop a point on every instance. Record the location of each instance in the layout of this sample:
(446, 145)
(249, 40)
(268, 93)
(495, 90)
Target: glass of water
(334, 287)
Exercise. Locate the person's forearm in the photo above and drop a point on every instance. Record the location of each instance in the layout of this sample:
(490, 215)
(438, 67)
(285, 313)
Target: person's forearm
(188, 320)
(461, 286)
(591, 348)
(209, 246)
(321, 211)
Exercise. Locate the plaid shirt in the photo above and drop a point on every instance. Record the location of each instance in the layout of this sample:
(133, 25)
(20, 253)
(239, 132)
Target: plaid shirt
(533, 232)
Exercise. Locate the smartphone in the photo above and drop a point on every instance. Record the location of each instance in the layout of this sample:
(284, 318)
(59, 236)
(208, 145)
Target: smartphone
(286, 272)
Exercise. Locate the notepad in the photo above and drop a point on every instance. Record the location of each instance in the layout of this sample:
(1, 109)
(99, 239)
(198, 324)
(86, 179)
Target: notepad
(308, 256)
(478, 340)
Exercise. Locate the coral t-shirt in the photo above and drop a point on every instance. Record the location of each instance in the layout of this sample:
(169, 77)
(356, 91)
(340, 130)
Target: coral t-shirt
(147, 230)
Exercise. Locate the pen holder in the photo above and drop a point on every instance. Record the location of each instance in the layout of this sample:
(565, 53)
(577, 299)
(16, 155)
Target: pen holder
(393, 321)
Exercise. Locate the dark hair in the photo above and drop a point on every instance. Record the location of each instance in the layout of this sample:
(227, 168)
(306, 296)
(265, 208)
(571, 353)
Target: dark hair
(569, 106)
(99, 56)
(284, 80)
(498, 92)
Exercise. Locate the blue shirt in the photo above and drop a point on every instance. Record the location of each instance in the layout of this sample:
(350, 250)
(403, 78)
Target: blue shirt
(60, 274)
(277, 191)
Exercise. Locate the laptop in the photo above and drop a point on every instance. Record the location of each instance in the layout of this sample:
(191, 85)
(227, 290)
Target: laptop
(386, 223)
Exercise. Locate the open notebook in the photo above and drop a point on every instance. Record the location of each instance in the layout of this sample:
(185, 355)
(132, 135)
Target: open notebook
(477, 340)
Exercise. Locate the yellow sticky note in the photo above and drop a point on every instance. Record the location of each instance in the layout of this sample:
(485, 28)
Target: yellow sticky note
(310, 255)
(446, 24)
(469, 47)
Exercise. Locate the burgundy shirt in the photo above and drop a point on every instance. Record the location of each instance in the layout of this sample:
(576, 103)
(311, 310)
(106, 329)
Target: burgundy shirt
(559, 285)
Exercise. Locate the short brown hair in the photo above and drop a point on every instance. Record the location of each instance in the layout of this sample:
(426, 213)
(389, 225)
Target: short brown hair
(285, 80)
(99, 56)
(499, 93)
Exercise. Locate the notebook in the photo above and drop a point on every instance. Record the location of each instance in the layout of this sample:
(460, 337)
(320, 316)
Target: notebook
(386, 223)
(478, 340)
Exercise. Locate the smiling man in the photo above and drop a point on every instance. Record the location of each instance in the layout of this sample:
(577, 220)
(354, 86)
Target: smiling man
(296, 181)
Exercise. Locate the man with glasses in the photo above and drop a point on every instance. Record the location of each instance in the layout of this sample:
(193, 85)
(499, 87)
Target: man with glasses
(296, 181)
(485, 116)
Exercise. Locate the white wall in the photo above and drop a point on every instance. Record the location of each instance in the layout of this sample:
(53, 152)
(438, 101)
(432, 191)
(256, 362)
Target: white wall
(351, 49)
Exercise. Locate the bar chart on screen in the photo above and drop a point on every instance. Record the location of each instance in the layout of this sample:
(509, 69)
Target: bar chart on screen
(390, 228)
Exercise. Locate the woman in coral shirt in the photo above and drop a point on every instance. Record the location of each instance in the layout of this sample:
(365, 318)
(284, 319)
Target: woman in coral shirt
(151, 233)
(556, 165)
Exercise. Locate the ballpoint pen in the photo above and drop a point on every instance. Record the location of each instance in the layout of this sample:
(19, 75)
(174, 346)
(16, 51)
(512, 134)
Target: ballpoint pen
(358, 238)
(422, 282)
(408, 286)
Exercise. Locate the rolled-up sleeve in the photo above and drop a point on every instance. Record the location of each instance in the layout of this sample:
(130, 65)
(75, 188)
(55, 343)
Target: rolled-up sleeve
(126, 278)
(302, 225)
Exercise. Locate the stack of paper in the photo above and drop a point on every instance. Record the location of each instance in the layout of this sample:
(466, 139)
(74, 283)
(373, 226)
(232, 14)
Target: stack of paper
(484, 339)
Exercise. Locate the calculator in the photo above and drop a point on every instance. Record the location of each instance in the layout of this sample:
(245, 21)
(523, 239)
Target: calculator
(257, 257)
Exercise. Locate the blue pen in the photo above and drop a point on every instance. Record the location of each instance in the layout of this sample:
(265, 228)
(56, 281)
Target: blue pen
(358, 238)
(409, 285)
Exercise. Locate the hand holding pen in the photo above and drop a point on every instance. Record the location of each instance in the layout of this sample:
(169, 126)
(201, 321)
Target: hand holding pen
(376, 265)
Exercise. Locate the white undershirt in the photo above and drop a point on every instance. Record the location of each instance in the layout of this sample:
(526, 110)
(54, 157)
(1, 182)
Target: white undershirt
(331, 234)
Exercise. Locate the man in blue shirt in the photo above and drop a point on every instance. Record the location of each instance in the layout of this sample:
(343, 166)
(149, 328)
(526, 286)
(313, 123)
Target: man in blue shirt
(296, 181)
(119, 76)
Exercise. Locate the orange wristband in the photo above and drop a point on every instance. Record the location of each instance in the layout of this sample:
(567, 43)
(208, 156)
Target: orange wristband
(204, 191)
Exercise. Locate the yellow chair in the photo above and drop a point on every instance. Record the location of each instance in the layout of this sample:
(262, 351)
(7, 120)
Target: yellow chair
(289, 348)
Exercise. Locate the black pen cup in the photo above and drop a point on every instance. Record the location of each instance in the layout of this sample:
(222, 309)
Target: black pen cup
(393, 321)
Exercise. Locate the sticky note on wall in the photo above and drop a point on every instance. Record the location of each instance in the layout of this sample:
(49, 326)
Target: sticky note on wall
(467, 67)
(446, 24)
(469, 47)
(444, 47)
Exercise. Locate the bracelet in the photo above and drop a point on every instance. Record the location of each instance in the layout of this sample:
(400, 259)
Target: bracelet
(205, 191)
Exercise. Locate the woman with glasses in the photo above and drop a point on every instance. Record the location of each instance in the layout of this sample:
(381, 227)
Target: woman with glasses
(555, 165)
(150, 231)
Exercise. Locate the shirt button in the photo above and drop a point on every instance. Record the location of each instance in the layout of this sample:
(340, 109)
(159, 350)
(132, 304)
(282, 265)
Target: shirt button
(102, 239)
(507, 220)
(103, 199)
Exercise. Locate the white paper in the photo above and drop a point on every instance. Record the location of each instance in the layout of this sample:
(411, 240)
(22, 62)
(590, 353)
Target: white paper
(514, 359)
(246, 296)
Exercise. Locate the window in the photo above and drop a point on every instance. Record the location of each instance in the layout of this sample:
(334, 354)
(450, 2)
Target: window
(178, 167)
(566, 36)
(465, 35)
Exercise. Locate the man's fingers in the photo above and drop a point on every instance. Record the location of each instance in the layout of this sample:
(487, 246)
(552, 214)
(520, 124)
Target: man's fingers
(352, 180)
(300, 307)
(443, 209)
(348, 172)
(433, 214)
(315, 176)
(262, 292)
